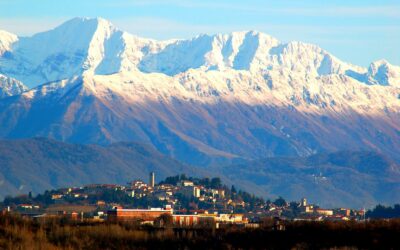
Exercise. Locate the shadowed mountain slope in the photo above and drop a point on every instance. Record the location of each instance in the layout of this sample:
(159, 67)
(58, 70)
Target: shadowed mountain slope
(348, 178)
(39, 164)
(354, 179)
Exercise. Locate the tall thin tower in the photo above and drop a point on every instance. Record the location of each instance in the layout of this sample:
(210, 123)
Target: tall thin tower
(152, 179)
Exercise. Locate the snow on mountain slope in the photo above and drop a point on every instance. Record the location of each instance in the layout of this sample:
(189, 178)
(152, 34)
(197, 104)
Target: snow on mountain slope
(10, 86)
(76, 46)
(186, 117)
(330, 93)
(222, 51)
(6, 41)
(84, 44)
(383, 73)
(227, 95)
(251, 51)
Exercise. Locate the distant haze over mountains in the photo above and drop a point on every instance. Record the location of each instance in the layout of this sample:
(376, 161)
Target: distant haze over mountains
(206, 101)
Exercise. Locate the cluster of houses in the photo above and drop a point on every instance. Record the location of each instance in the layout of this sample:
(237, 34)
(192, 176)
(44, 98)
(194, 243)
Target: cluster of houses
(221, 209)
(166, 193)
(170, 193)
(310, 212)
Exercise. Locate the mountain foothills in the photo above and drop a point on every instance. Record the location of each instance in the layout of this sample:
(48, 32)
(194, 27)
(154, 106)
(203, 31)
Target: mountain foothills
(350, 179)
(40, 164)
(345, 178)
(206, 101)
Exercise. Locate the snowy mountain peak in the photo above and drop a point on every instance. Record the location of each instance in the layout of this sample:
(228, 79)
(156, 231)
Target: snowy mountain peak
(237, 50)
(88, 24)
(93, 83)
(6, 41)
(383, 73)
(95, 45)
(76, 46)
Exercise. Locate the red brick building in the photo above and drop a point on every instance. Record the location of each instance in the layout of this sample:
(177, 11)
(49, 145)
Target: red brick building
(137, 214)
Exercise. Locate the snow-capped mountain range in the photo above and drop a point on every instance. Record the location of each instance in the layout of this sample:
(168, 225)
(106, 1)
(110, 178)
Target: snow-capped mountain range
(244, 94)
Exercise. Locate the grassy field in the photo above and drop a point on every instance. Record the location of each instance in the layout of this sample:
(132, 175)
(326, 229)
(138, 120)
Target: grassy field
(22, 233)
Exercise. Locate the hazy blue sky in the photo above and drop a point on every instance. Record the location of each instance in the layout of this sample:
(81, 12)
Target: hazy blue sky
(355, 31)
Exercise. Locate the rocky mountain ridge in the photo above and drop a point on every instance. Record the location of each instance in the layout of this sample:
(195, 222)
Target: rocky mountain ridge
(205, 100)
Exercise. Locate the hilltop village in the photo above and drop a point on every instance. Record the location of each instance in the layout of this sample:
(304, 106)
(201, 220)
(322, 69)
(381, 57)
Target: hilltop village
(179, 200)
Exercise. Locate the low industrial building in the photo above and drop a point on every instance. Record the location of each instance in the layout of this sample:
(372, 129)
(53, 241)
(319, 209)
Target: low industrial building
(151, 214)
(193, 220)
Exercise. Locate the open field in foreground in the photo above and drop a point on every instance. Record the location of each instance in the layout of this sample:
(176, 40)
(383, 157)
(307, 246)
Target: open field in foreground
(24, 233)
